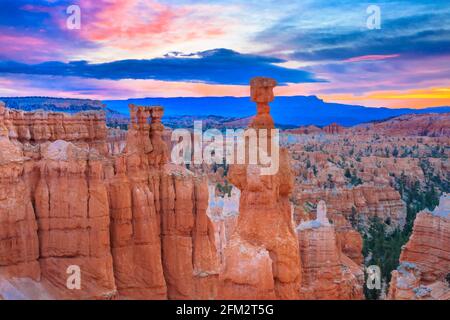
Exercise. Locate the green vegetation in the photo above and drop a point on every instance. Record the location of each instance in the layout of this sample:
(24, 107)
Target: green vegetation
(224, 165)
(224, 189)
(352, 177)
(309, 207)
(383, 248)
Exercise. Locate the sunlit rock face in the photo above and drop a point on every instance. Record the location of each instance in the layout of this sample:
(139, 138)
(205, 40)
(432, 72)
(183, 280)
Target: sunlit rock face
(19, 245)
(162, 241)
(333, 128)
(55, 202)
(261, 260)
(432, 125)
(327, 273)
(425, 259)
(73, 193)
(135, 225)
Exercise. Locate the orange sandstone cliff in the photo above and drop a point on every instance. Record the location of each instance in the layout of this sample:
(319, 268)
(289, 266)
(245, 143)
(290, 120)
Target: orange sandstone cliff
(425, 260)
(261, 258)
(135, 225)
(327, 272)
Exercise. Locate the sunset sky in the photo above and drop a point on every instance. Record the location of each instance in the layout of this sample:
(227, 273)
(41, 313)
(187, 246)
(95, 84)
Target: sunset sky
(148, 48)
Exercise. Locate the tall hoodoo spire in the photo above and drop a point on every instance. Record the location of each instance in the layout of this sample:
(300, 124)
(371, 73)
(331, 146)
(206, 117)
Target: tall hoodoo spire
(261, 91)
(261, 260)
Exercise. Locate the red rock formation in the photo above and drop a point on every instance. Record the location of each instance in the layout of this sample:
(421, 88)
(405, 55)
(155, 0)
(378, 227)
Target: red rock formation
(366, 200)
(163, 244)
(86, 128)
(350, 243)
(261, 259)
(136, 226)
(73, 232)
(223, 211)
(135, 232)
(305, 130)
(326, 272)
(19, 245)
(50, 229)
(425, 259)
(333, 128)
(432, 125)
(116, 141)
(358, 205)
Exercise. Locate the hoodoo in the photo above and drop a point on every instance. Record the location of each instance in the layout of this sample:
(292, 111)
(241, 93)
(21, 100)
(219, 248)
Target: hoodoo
(327, 272)
(424, 267)
(139, 228)
(261, 258)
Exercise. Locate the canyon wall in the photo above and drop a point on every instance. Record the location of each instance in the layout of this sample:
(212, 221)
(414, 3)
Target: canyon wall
(73, 194)
(425, 260)
(432, 125)
(135, 225)
(327, 272)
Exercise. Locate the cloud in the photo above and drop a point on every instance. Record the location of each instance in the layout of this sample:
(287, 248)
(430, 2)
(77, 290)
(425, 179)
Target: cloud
(296, 42)
(36, 31)
(110, 30)
(334, 34)
(416, 98)
(372, 57)
(401, 73)
(75, 87)
(218, 66)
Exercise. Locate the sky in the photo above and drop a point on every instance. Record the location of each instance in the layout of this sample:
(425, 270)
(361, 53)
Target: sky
(378, 53)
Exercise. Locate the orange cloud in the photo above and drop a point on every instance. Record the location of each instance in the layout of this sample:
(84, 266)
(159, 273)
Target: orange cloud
(75, 87)
(156, 88)
(143, 25)
(415, 98)
(126, 20)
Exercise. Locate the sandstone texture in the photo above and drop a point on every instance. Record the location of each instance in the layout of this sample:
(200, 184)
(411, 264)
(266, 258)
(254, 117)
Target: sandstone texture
(135, 225)
(425, 259)
(262, 259)
(333, 128)
(76, 193)
(433, 125)
(327, 273)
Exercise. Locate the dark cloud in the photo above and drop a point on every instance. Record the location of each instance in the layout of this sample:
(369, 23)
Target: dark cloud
(218, 66)
(418, 34)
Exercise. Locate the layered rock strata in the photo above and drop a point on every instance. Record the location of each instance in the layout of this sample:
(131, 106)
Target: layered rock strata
(134, 225)
(425, 260)
(261, 258)
(327, 273)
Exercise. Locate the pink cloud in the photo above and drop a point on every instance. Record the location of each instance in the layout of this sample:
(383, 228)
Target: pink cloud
(372, 57)
(18, 47)
(112, 30)
(136, 24)
(75, 87)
